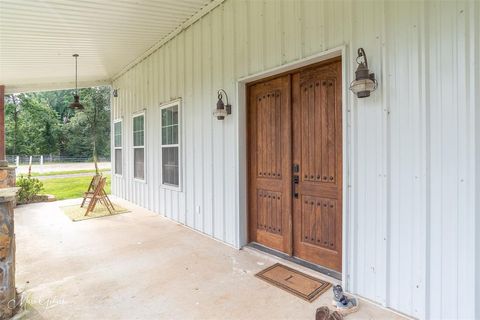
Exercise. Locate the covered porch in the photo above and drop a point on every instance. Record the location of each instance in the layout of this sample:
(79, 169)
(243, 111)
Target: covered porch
(139, 265)
(406, 176)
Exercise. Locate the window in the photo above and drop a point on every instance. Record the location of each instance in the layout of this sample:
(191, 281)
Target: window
(117, 145)
(170, 119)
(139, 147)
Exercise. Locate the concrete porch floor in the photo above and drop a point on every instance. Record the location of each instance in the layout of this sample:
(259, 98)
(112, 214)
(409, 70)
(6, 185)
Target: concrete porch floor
(139, 265)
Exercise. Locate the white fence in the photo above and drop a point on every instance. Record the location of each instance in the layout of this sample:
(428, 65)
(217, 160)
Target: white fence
(45, 159)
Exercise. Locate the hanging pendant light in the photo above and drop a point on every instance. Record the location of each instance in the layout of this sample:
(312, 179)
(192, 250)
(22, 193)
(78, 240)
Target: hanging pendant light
(76, 105)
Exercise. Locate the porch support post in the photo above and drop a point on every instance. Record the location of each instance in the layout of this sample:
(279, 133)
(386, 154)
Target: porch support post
(3, 160)
(8, 293)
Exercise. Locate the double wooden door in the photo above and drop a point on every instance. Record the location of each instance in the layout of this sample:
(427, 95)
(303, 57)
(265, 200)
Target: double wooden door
(295, 163)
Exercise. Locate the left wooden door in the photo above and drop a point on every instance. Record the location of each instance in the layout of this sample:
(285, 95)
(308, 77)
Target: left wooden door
(270, 159)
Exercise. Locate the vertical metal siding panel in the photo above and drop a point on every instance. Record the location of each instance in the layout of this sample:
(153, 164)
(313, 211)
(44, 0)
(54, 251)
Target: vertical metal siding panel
(153, 136)
(291, 31)
(163, 98)
(335, 36)
(218, 129)
(449, 154)
(144, 105)
(113, 116)
(407, 216)
(313, 28)
(120, 102)
(125, 101)
(272, 44)
(133, 108)
(155, 141)
(207, 122)
(148, 131)
(168, 79)
(418, 245)
(128, 138)
(371, 160)
(380, 241)
(435, 165)
(174, 75)
(241, 38)
(475, 96)
(362, 276)
(198, 127)
(351, 158)
(189, 122)
(329, 20)
(129, 127)
(124, 95)
(128, 121)
(474, 13)
(180, 92)
(126, 127)
(156, 138)
(241, 69)
(138, 106)
(357, 261)
(466, 179)
(256, 35)
(398, 116)
(229, 146)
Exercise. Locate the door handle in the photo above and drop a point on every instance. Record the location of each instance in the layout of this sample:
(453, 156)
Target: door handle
(295, 181)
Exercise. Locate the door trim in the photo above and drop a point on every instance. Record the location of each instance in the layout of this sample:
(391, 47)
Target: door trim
(242, 157)
(329, 272)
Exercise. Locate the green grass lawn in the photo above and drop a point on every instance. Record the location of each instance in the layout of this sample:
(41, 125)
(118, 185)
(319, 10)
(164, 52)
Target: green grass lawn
(69, 188)
(54, 173)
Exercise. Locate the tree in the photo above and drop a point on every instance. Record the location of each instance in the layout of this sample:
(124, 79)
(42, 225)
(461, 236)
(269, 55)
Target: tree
(88, 131)
(42, 123)
(34, 126)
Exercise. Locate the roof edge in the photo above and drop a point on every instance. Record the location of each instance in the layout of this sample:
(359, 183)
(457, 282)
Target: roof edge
(36, 87)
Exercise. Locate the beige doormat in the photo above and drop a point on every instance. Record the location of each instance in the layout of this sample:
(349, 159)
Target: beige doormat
(76, 213)
(298, 283)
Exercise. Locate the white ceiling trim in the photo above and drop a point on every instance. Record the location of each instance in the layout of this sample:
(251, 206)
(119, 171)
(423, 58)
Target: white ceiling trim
(33, 87)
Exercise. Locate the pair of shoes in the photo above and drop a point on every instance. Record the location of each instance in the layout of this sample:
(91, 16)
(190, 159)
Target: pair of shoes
(323, 313)
(344, 304)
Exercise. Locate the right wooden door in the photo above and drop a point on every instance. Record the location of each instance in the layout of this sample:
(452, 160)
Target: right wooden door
(317, 164)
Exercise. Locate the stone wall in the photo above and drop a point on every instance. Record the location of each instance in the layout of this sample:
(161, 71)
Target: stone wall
(7, 177)
(8, 294)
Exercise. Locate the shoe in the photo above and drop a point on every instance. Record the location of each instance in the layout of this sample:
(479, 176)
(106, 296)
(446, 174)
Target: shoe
(347, 305)
(337, 292)
(323, 313)
(342, 303)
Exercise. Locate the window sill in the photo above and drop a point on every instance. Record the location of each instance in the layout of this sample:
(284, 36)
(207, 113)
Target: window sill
(171, 188)
(140, 180)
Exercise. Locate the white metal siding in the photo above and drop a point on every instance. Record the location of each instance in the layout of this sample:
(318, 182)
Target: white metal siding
(413, 170)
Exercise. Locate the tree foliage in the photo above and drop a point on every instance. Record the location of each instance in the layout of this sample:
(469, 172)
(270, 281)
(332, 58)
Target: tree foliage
(42, 123)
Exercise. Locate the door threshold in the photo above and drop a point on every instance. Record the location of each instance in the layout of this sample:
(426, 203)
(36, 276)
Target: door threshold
(315, 267)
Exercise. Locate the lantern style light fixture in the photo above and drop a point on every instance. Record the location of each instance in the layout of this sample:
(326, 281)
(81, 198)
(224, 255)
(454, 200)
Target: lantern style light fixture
(222, 110)
(76, 105)
(365, 81)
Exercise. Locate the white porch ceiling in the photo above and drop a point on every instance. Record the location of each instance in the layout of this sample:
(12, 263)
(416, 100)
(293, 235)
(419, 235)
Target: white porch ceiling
(38, 38)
